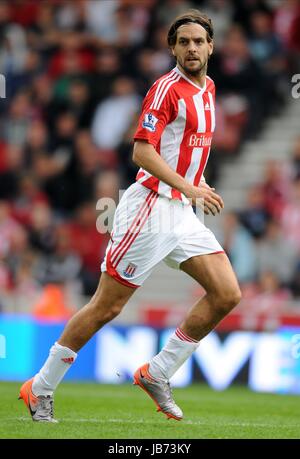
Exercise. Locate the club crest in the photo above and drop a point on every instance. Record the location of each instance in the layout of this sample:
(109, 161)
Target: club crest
(130, 270)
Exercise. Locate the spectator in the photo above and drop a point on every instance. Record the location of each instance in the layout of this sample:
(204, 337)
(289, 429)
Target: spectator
(72, 59)
(36, 142)
(236, 72)
(127, 168)
(43, 35)
(42, 228)
(32, 66)
(5, 279)
(286, 20)
(42, 95)
(85, 146)
(101, 19)
(268, 299)
(276, 254)
(108, 67)
(220, 12)
(255, 217)
(64, 131)
(108, 192)
(113, 116)
(8, 227)
(13, 47)
(87, 164)
(163, 61)
(11, 168)
(267, 50)
(79, 103)
(244, 10)
(89, 244)
(146, 68)
(70, 16)
(63, 266)
(294, 169)
(108, 185)
(21, 263)
(17, 123)
(275, 189)
(240, 248)
(231, 119)
(29, 195)
(169, 9)
(290, 219)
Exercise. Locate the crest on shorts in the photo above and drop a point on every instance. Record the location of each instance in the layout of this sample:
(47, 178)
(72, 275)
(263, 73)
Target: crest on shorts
(149, 122)
(130, 270)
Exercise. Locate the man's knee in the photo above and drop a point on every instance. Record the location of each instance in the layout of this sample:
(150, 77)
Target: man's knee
(225, 300)
(113, 311)
(109, 300)
(105, 306)
(106, 311)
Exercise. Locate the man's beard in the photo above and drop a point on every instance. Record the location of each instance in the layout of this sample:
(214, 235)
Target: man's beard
(201, 70)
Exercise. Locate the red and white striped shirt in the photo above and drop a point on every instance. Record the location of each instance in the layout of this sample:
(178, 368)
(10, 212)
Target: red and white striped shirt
(178, 119)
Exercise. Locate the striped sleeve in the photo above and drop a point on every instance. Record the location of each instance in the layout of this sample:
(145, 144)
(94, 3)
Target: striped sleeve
(158, 110)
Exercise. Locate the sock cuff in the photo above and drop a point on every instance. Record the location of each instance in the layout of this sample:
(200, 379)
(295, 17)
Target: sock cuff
(59, 347)
(183, 337)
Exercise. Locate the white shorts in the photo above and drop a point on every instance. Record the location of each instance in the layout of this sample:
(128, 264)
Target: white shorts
(149, 228)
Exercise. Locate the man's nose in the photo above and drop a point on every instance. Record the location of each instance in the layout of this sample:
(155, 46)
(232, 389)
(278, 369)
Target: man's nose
(192, 47)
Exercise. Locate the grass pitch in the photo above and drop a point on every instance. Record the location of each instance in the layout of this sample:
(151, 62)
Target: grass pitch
(126, 412)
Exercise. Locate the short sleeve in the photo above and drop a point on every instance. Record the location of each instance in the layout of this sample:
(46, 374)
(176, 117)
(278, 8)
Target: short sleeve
(158, 110)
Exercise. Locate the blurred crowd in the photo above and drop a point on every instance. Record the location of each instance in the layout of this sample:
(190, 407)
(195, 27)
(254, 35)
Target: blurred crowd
(76, 73)
(263, 239)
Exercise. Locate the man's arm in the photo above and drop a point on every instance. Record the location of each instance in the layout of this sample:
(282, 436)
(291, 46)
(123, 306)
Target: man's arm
(146, 157)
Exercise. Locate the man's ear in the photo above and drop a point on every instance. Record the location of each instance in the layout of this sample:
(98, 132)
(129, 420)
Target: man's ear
(173, 52)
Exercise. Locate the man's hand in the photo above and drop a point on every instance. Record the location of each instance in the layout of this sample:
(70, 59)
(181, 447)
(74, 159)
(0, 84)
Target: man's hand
(146, 157)
(205, 197)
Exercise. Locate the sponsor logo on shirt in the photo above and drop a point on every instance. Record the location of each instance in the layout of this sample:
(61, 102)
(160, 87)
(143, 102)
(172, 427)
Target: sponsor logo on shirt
(200, 139)
(149, 122)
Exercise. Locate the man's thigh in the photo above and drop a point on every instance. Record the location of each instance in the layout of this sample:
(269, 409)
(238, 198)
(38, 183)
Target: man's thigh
(214, 272)
(110, 291)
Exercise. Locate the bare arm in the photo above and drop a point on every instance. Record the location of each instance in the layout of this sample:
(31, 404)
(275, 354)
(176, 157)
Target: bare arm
(145, 156)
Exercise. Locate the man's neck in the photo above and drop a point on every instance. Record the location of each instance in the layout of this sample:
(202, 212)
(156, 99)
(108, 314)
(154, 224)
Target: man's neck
(198, 79)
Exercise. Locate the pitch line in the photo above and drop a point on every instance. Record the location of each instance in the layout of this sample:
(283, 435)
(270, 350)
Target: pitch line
(141, 420)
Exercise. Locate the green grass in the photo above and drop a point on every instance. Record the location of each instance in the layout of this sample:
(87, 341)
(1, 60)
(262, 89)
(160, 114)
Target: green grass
(126, 412)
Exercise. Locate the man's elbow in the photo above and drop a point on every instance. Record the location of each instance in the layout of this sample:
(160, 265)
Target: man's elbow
(137, 155)
(135, 158)
(142, 151)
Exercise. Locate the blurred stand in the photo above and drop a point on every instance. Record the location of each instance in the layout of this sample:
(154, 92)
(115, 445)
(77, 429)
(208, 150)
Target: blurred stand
(76, 73)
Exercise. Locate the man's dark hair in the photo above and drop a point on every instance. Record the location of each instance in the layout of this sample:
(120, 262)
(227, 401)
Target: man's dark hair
(191, 16)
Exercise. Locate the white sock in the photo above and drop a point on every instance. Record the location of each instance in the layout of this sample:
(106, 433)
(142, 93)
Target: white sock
(54, 369)
(177, 350)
